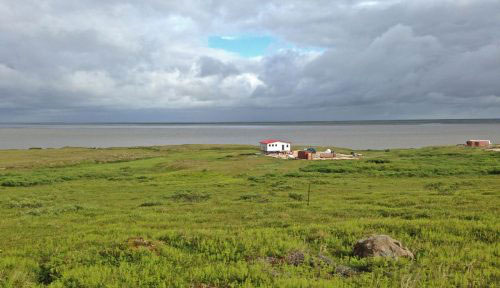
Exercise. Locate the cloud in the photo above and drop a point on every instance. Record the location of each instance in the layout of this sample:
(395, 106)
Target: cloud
(211, 66)
(78, 60)
(228, 38)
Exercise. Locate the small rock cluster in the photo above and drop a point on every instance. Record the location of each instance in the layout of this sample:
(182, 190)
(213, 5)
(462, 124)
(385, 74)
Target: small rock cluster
(294, 258)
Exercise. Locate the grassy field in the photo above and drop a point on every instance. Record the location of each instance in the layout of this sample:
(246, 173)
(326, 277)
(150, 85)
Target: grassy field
(222, 216)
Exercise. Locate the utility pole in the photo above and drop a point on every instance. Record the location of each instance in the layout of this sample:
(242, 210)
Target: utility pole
(308, 193)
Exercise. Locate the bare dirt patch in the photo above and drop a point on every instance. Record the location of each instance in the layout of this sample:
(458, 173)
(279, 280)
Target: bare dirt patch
(338, 156)
(139, 242)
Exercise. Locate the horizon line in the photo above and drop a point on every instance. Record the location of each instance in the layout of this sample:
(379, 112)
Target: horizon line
(428, 120)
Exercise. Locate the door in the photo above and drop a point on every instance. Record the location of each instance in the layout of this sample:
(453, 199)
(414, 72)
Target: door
(282, 147)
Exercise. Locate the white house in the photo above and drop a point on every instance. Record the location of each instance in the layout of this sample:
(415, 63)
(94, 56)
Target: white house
(274, 145)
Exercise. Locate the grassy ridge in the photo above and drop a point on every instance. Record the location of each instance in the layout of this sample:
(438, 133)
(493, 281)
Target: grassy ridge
(222, 216)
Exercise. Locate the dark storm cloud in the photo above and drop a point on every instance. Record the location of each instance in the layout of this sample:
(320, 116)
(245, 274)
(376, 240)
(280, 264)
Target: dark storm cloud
(89, 60)
(211, 66)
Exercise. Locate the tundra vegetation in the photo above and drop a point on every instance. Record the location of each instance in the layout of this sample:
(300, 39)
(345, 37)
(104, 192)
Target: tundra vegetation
(223, 216)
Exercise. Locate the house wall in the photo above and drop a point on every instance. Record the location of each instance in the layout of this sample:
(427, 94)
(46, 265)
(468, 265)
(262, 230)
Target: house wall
(276, 147)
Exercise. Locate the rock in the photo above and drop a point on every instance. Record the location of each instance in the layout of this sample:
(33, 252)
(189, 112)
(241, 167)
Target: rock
(325, 259)
(345, 271)
(381, 245)
(342, 270)
(295, 258)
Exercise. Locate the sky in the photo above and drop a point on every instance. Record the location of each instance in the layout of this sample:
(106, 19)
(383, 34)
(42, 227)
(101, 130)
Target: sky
(243, 45)
(195, 61)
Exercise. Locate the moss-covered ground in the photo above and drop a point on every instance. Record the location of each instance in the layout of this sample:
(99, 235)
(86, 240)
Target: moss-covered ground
(223, 216)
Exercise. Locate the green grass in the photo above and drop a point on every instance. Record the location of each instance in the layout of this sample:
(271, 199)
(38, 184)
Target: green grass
(222, 216)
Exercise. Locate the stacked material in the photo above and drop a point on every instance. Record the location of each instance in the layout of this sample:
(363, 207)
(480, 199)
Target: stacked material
(478, 143)
(305, 155)
(326, 155)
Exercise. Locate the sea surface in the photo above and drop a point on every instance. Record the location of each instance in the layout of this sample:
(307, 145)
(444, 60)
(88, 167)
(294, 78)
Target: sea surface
(352, 134)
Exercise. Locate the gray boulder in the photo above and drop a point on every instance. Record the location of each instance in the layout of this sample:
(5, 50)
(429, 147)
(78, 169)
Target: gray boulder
(381, 245)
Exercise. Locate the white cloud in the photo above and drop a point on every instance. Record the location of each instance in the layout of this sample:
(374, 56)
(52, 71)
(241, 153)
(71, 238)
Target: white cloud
(228, 37)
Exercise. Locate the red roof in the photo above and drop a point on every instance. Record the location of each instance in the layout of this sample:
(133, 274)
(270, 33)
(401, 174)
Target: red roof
(269, 141)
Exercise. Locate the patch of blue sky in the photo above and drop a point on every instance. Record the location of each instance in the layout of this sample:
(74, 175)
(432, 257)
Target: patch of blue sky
(254, 46)
(246, 46)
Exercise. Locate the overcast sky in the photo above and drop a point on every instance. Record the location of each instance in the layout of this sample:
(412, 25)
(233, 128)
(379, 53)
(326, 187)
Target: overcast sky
(94, 60)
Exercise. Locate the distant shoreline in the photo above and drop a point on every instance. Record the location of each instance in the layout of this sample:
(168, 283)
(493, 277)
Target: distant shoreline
(355, 134)
(270, 123)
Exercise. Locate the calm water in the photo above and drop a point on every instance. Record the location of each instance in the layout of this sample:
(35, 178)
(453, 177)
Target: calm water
(356, 135)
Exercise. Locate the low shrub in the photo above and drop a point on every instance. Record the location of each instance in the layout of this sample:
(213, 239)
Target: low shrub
(443, 189)
(255, 179)
(254, 197)
(24, 204)
(296, 196)
(293, 175)
(494, 171)
(150, 204)
(324, 169)
(190, 197)
(378, 161)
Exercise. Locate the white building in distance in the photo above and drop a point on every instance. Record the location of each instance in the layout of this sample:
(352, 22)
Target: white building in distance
(275, 146)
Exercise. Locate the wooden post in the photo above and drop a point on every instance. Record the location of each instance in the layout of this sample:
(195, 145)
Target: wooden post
(308, 193)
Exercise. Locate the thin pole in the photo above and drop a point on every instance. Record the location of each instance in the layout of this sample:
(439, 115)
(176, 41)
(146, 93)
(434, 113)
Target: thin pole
(308, 193)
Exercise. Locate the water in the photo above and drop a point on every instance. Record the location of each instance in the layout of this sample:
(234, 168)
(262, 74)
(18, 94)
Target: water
(356, 135)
